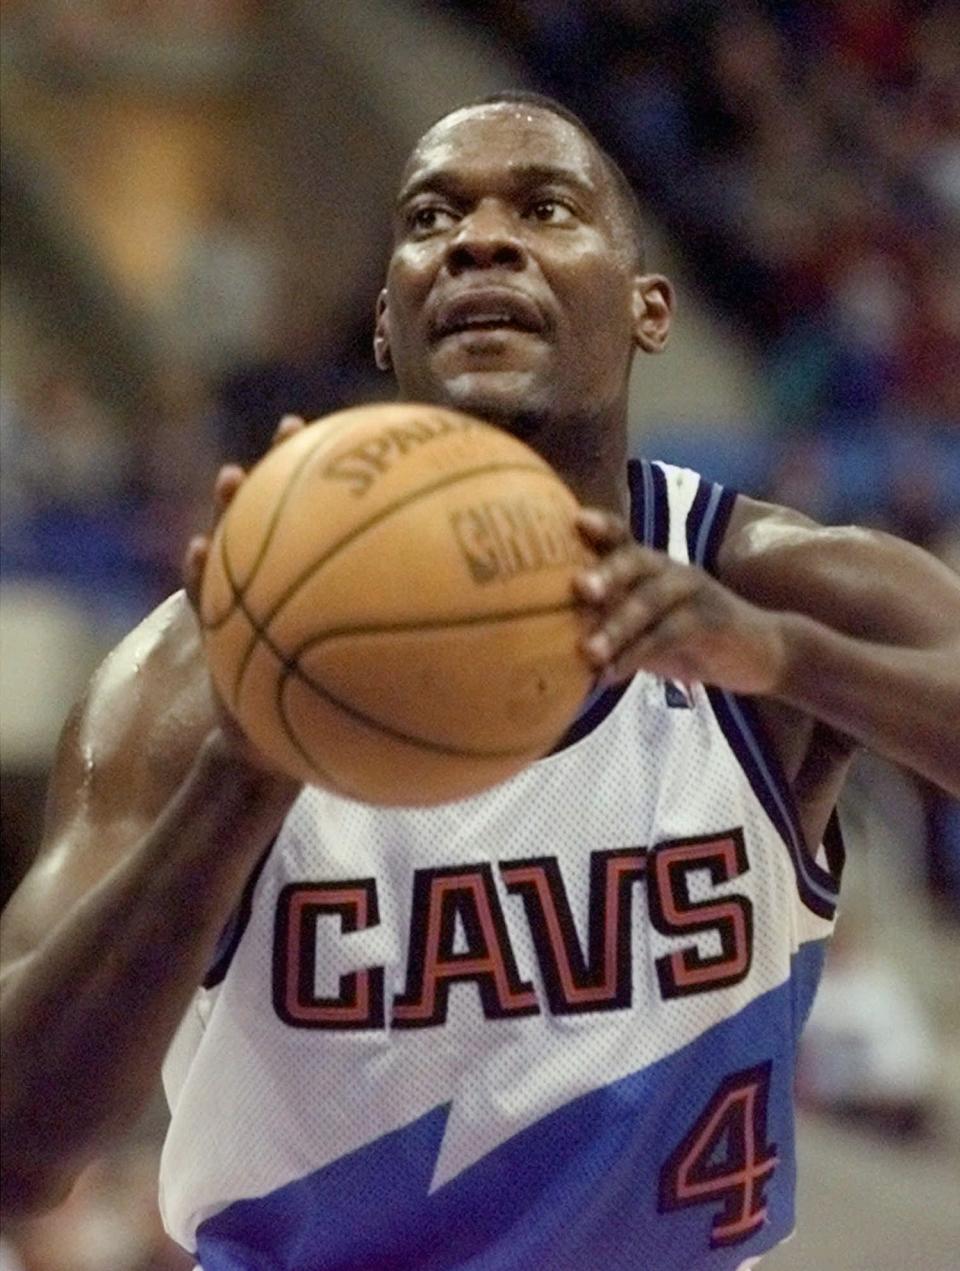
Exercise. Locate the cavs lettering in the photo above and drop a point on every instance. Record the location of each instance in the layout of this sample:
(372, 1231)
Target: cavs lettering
(459, 934)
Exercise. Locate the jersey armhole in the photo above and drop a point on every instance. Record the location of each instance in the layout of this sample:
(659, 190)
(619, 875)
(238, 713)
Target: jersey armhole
(741, 725)
(834, 848)
(236, 925)
(706, 526)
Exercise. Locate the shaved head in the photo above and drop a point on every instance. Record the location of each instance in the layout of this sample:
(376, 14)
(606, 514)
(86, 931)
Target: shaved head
(632, 214)
(515, 289)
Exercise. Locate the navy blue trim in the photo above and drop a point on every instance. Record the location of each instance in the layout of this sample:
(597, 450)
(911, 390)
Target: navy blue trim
(232, 933)
(834, 846)
(649, 504)
(638, 500)
(594, 712)
(707, 523)
(741, 726)
(650, 524)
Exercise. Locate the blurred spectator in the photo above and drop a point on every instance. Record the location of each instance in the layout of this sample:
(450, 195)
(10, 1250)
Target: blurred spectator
(871, 37)
(868, 309)
(868, 1052)
(59, 444)
(808, 158)
(89, 507)
(226, 298)
(801, 478)
(299, 378)
(928, 378)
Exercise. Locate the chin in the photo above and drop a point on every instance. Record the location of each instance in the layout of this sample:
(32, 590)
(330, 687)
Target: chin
(506, 398)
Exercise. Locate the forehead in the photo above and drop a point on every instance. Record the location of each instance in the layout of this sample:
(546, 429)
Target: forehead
(487, 141)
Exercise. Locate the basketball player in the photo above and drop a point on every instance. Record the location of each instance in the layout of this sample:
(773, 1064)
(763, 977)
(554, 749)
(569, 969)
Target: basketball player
(551, 1026)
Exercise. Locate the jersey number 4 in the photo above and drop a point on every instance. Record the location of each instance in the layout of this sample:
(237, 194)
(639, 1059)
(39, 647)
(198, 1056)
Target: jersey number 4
(725, 1159)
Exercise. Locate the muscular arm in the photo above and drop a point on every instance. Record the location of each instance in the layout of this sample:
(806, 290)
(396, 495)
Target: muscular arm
(153, 826)
(844, 636)
(870, 628)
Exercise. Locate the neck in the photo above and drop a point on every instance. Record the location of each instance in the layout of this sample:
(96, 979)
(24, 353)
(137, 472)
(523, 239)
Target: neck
(587, 452)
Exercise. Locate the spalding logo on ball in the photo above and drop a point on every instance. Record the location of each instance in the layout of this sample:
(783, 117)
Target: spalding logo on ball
(387, 605)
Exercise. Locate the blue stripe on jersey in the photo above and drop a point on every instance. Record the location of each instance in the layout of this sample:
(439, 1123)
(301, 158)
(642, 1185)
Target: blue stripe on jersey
(650, 504)
(580, 1188)
(707, 523)
(709, 514)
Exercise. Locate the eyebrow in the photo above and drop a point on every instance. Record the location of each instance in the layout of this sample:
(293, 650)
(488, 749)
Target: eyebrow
(523, 176)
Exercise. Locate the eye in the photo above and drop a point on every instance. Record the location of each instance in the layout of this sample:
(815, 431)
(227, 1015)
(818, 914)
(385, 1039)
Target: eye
(430, 218)
(552, 212)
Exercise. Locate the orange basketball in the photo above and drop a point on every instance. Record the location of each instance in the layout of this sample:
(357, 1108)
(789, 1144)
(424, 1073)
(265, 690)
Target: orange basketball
(387, 605)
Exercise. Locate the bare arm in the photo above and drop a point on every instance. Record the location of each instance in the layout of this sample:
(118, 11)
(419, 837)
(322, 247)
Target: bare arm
(870, 627)
(153, 826)
(853, 628)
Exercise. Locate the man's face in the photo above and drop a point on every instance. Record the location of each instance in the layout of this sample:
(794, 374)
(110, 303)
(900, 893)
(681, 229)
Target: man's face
(510, 287)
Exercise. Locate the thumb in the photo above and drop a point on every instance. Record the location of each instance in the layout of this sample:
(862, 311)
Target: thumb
(194, 564)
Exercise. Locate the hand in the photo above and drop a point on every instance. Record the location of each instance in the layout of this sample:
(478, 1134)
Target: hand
(228, 481)
(675, 620)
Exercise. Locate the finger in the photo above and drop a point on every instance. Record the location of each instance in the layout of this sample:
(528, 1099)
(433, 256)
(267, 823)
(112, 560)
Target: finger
(667, 649)
(228, 481)
(602, 529)
(608, 579)
(639, 612)
(287, 427)
(194, 563)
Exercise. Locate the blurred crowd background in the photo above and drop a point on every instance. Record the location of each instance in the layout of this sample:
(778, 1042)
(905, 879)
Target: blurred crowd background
(196, 198)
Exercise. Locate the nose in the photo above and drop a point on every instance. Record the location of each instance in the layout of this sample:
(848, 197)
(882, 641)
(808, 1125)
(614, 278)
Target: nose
(486, 239)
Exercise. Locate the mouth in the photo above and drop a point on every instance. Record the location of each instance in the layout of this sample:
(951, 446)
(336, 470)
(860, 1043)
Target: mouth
(487, 309)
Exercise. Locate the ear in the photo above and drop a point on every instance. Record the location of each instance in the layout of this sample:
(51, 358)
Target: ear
(652, 302)
(381, 341)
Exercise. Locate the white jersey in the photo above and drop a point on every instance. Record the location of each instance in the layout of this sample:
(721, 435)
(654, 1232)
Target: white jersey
(550, 1026)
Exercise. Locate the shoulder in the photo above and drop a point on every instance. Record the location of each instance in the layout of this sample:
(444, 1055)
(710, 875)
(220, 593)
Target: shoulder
(769, 551)
(151, 689)
(124, 749)
(860, 581)
(145, 711)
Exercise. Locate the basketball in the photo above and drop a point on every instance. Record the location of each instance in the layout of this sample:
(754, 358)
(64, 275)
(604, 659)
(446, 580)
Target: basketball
(387, 605)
